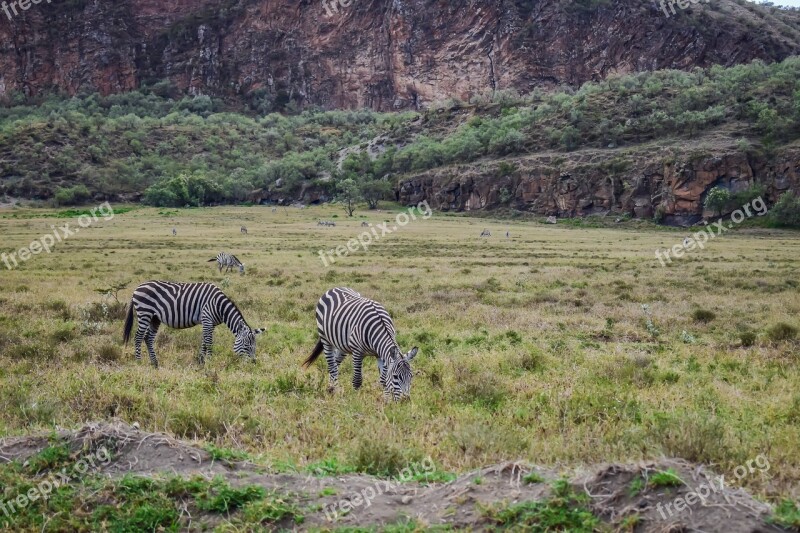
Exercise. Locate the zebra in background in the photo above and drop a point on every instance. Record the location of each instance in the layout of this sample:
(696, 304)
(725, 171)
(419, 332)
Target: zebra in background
(227, 260)
(349, 323)
(174, 232)
(185, 305)
(486, 233)
(243, 230)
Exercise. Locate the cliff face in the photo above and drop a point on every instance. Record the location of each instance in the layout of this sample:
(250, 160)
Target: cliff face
(547, 185)
(382, 54)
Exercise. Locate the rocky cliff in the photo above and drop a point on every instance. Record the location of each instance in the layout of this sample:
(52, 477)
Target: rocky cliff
(382, 54)
(586, 184)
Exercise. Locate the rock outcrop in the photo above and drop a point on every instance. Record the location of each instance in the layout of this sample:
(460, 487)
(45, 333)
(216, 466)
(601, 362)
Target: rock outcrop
(381, 54)
(579, 185)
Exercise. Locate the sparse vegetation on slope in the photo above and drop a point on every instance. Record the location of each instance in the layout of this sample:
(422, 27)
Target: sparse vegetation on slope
(194, 152)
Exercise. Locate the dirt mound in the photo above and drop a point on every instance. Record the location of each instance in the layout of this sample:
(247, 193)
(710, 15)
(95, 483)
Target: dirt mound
(641, 497)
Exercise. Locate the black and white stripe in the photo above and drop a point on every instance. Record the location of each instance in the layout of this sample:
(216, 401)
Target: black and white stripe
(349, 323)
(185, 305)
(243, 230)
(228, 260)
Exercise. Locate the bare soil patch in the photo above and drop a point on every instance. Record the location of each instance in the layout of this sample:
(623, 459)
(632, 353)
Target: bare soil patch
(614, 493)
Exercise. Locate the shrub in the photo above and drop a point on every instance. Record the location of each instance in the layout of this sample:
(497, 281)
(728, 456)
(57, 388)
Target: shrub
(782, 332)
(72, 195)
(717, 200)
(703, 315)
(786, 211)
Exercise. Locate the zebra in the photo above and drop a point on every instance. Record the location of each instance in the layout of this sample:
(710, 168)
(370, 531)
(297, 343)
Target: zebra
(174, 232)
(243, 230)
(349, 323)
(486, 233)
(274, 209)
(227, 260)
(365, 224)
(185, 305)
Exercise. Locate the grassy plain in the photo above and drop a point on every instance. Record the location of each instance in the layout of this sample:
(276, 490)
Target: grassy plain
(533, 347)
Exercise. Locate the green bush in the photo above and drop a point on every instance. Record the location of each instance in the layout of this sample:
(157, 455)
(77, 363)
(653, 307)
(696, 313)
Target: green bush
(76, 195)
(786, 211)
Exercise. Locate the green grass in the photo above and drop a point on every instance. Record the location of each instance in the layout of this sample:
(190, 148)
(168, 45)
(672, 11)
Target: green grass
(787, 514)
(134, 503)
(667, 478)
(564, 511)
(508, 369)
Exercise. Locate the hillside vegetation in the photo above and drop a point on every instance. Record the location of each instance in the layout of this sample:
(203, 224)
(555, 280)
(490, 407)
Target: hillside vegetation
(197, 151)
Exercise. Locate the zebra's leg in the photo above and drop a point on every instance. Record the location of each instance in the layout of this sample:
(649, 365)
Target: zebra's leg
(340, 355)
(208, 339)
(333, 367)
(141, 333)
(358, 359)
(150, 341)
(382, 372)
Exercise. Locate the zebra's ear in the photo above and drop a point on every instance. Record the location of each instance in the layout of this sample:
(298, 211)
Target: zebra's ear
(259, 331)
(412, 354)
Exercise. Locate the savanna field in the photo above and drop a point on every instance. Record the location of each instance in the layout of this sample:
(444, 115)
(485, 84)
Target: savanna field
(562, 345)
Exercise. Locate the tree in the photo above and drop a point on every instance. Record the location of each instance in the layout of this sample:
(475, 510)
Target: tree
(348, 193)
(717, 200)
(374, 191)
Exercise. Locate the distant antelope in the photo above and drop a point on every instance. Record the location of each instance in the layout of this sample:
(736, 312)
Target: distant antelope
(486, 233)
(244, 230)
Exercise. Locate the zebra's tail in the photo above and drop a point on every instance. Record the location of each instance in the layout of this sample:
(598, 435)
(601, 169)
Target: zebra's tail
(211, 260)
(126, 335)
(313, 357)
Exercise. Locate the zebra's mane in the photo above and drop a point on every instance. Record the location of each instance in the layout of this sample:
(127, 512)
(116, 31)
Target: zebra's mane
(385, 326)
(235, 308)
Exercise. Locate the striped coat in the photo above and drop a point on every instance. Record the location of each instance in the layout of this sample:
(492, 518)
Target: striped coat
(185, 305)
(348, 323)
(228, 260)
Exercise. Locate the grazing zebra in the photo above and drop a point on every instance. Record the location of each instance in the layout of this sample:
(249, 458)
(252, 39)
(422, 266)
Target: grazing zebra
(326, 223)
(244, 230)
(227, 260)
(174, 232)
(365, 224)
(185, 305)
(349, 323)
(486, 233)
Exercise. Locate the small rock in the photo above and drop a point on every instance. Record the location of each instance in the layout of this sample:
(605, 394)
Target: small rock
(405, 500)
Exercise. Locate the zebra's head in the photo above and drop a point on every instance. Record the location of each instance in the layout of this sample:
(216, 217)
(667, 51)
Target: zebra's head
(241, 269)
(398, 374)
(245, 343)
